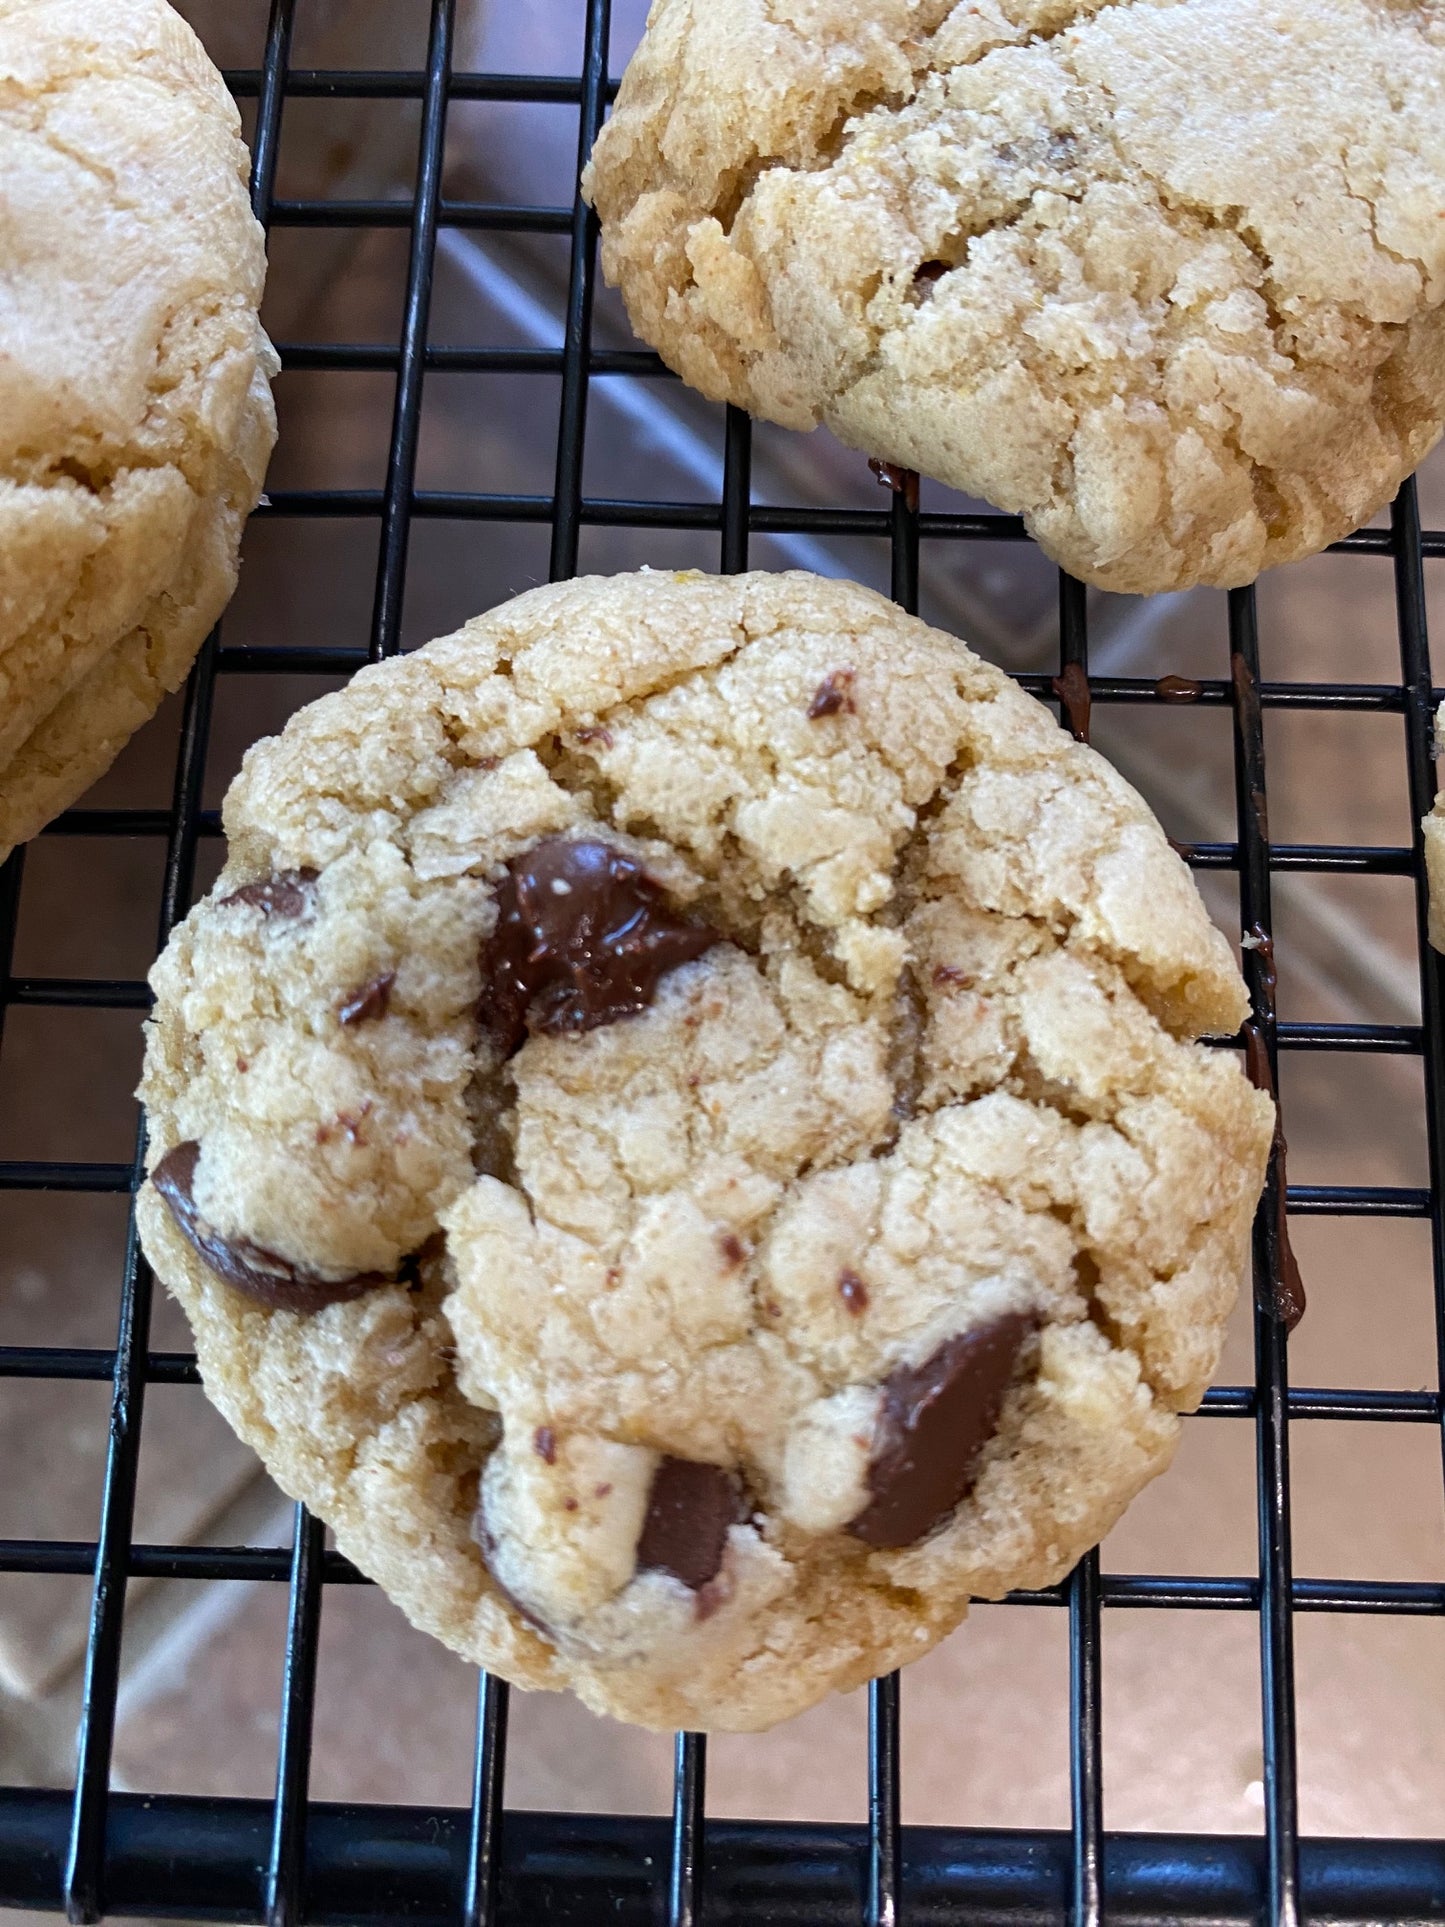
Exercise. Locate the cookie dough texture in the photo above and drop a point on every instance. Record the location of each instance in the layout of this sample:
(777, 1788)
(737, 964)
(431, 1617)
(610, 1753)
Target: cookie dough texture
(1162, 276)
(135, 407)
(940, 1072)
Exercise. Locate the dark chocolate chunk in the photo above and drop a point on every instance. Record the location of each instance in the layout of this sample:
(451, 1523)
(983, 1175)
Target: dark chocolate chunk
(905, 1049)
(248, 1267)
(834, 693)
(853, 1292)
(937, 1418)
(287, 894)
(1071, 686)
(689, 1510)
(1178, 689)
(583, 936)
(372, 1001)
(1279, 1290)
(902, 481)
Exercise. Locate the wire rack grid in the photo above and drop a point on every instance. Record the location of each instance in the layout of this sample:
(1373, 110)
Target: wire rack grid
(94, 1852)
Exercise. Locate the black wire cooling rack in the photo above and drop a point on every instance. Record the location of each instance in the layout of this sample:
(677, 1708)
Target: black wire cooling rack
(95, 1852)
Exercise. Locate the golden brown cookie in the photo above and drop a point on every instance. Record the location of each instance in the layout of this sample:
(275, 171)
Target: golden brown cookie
(1162, 276)
(135, 405)
(680, 1135)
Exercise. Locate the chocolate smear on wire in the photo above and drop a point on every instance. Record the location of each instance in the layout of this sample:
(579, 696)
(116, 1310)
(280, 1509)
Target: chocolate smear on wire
(1282, 1297)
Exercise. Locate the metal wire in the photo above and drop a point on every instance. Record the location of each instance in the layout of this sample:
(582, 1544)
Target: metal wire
(1276, 1632)
(291, 1859)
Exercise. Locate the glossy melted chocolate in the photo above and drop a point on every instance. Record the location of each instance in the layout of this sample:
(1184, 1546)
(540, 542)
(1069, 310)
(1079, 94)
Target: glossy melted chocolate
(248, 1267)
(583, 937)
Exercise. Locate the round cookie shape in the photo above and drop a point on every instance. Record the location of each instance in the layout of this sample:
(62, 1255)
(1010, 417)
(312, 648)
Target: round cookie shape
(1053, 253)
(136, 418)
(777, 1195)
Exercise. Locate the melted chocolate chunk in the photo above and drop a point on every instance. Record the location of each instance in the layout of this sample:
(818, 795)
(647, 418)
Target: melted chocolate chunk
(1261, 943)
(937, 1418)
(583, 937)
(834, 693)
(1283, 1295)
(905, 1050)
(689, 1510)
(1178, 689)
(486, 1541)
(372, 1001)
(287, 894)
(1071, 686)
(248, 1267)
(853, 1292)
(902, 481)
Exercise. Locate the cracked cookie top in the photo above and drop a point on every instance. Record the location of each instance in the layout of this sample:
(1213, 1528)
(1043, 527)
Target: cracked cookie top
(135, 406)
(1163, 276)
(680, 1134)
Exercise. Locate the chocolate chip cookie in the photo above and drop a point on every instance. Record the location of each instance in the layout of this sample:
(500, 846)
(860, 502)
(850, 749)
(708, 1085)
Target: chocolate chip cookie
(680, 1134)
(135, 404)
(1163, 276)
